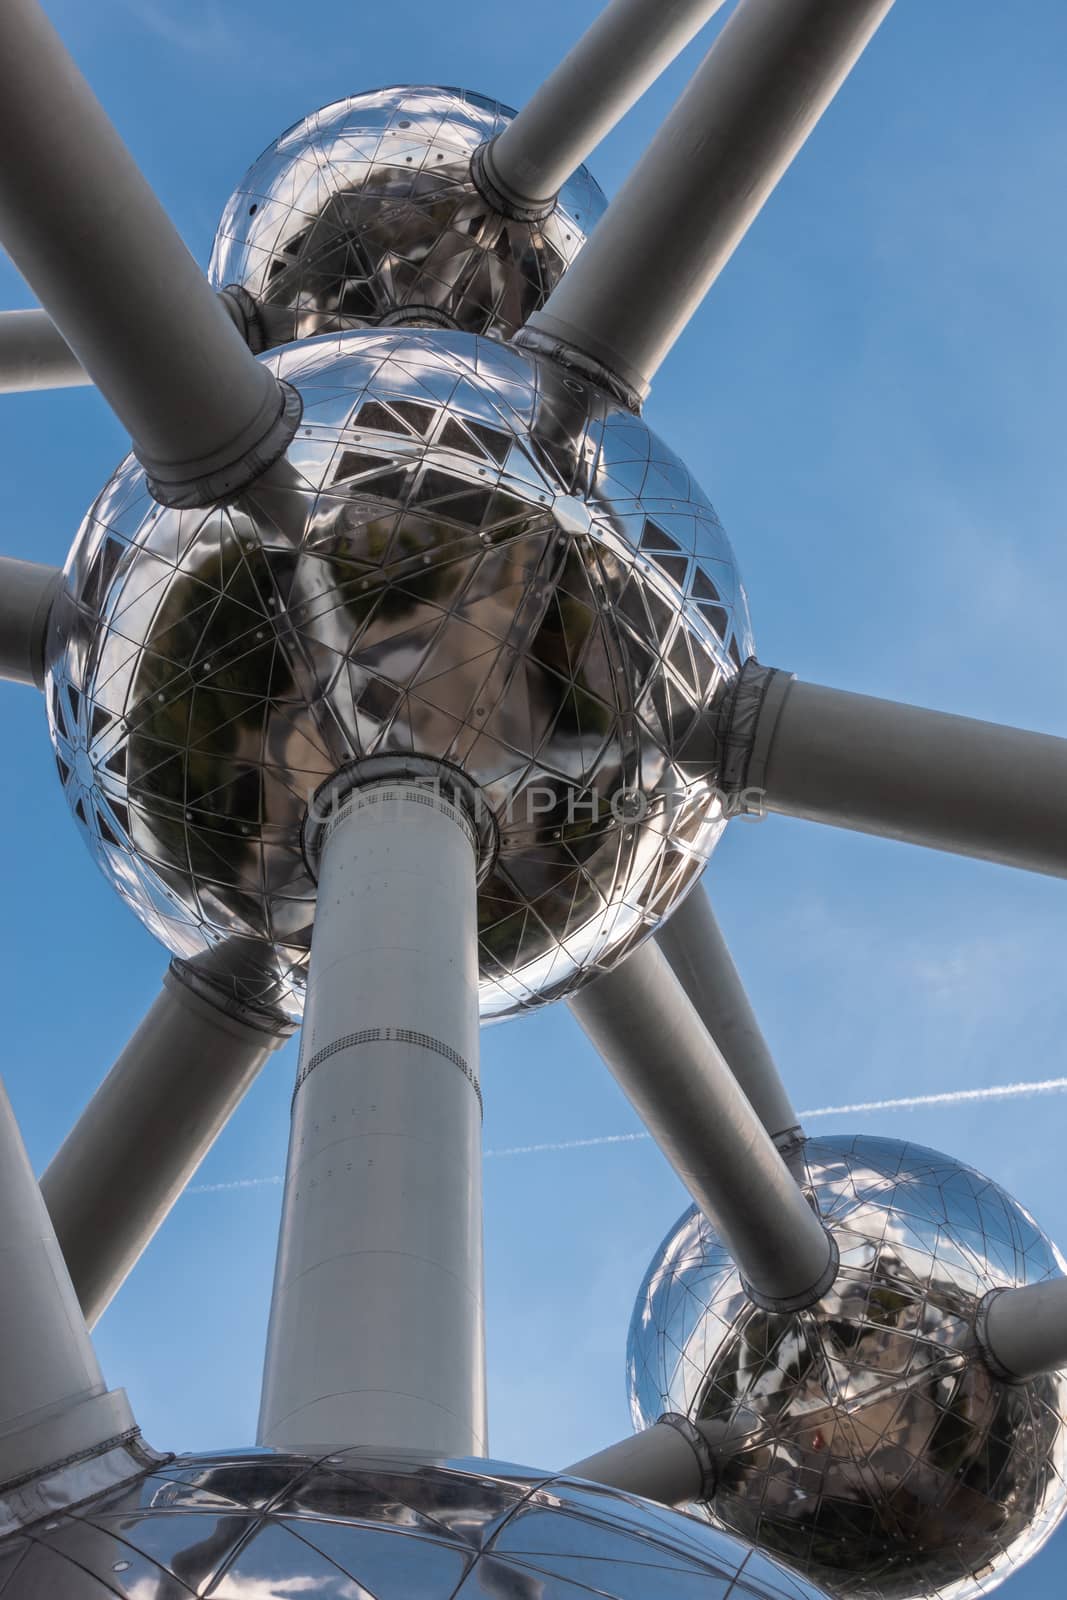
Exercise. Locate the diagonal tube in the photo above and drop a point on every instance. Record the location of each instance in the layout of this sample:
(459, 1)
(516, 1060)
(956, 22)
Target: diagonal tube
(116, 1177)
(87, 233)
(620, 56)
(669, 232)
(693, 943)
(27, 590)
(951, 783)
(35, 355)
(1022, 1333)
(644, 1025)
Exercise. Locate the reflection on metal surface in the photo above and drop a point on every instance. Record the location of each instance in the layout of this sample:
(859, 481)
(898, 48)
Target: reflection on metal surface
(366, 210)
(260, 1526)
(881, 1457)
(469, 555)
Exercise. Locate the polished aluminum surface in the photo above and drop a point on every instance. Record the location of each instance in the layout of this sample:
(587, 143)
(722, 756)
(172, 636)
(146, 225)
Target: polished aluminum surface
(366, 210)
(260, 1526)
(880, 1456)
(474, 557)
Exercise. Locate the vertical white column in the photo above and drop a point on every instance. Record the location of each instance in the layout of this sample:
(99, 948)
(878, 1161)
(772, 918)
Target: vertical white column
(377, 1323)
(53, 1400)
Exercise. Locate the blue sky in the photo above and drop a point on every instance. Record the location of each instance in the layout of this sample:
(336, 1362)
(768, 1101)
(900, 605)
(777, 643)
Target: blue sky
(873, 396)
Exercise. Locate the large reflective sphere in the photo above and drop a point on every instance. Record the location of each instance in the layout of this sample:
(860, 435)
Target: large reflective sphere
(469, 556)
(878, 1454)
(366, 210)
(259, 1526)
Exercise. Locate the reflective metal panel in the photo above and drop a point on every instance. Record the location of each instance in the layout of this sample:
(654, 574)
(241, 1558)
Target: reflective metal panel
(366, 210)
(396, 1530)
(876, 1451)
(468, 555)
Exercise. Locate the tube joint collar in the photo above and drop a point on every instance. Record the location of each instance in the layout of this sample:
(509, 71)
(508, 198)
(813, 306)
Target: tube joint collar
(808, 1297)
(700, 1447)
(501, 195)
(211, 481)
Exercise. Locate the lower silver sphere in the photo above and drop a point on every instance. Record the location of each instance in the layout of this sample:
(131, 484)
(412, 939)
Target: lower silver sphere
(367, 211)
(261, 1526)
(877, 1453)
(467, 555)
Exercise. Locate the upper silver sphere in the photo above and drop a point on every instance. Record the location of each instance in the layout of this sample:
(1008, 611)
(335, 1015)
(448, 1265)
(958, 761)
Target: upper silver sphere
(878, 1455)
(468, 555)
(261, 1526)
(367, 210)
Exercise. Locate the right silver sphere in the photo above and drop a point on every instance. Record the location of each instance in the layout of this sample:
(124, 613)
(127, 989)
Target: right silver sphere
(875, 1451)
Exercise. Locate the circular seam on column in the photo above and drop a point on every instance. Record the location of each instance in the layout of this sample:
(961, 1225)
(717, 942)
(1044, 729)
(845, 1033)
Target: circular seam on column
(573, 359)
(809, 1297)
(985, 1348)
(200, 488)
(699, 1446)
(425, 1041)
(487, 181)
(200, 991)
(446, 781)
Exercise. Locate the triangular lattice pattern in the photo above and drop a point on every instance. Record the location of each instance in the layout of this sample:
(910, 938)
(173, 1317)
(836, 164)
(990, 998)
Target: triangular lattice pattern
(262, 1526)
(367, 209)
(876, 1450)
(468, 555)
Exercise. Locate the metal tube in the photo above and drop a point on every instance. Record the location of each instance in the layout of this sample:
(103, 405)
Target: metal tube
(1023, 1332)
(53, 1400)
(693, 943)
(377, 1320)
(665, 238)
(644, 1025)
(669, 1462)
(27, 590)
(624, 51)
(951, 783)
(119, 1172)
(35, 355)
(87, 233)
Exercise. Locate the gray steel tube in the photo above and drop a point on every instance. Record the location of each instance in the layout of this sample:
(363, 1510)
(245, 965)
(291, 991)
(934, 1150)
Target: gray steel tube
(27, 590)
(377, 1322)
(926, 777)
(670, 1462)
(35, 355)
(87, 233)
(1023, 1332)
(53, 1400)
(116, 1177)
(630, 43)
(693, 943)
(666, 236)
(644, 1025)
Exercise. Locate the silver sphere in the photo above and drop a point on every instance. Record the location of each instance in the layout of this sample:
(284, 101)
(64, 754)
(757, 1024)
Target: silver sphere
(252, 1525)
(366, 211)
(876, 1453)
(469, 556)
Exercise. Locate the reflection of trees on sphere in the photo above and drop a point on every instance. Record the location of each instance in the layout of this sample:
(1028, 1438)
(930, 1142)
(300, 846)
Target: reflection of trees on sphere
(367, 210)
(467, 555)
(877, 1452)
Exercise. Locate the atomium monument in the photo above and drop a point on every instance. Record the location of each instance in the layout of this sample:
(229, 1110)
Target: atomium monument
(401, 679)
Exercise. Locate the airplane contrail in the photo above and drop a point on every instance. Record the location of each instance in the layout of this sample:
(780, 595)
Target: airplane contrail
(950, 1097)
